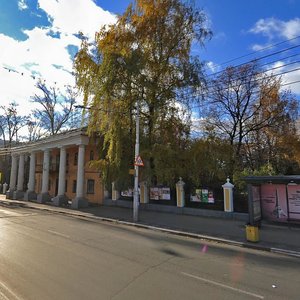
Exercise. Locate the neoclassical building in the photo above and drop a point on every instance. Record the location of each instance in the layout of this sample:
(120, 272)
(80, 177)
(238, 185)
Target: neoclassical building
(56, 168)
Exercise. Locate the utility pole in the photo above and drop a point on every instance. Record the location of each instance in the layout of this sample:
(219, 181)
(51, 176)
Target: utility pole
(136, 167)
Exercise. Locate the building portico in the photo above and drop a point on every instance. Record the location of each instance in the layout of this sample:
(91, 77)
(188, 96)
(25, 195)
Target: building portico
(59, 171)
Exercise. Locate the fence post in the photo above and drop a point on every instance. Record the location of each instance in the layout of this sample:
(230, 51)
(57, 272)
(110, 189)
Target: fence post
(180, 193)
(144, 197)
(114, 193)
(228, 195)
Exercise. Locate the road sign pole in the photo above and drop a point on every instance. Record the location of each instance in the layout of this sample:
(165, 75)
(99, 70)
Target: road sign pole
(136, 168)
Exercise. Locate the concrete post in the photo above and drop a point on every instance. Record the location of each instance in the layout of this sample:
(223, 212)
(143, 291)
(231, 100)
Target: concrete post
(228, 196)
(180, 193)
(144, 197)
(44, 195)
(115, 195)
(13, 177)
(30, 193)
(80, 200)
(5, 188)
(61, 199)
(19, 193)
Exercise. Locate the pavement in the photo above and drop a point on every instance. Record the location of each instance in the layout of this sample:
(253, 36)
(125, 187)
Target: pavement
(277, 238)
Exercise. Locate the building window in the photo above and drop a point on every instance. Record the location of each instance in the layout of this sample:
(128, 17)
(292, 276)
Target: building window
(90, 186)
(74, 186)
(76, 159)
(67, 159)
(92, 155)
(66, 186)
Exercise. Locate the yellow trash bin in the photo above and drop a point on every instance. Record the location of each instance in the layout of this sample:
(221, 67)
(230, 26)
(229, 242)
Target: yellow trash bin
(252, 233)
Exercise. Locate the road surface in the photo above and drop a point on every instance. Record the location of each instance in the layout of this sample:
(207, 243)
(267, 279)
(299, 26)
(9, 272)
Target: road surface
(45, 255)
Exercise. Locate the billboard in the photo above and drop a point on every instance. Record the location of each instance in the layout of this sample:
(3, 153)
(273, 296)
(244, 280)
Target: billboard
(294, 201)
(274, 202)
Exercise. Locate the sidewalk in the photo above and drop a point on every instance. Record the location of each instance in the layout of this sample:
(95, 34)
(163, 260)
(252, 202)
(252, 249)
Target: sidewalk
(274, 238)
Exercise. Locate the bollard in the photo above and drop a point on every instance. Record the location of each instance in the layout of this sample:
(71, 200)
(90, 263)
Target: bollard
(228, 196)
(180, 193)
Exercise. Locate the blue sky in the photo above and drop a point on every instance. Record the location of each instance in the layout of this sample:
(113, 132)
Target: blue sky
(37, 37)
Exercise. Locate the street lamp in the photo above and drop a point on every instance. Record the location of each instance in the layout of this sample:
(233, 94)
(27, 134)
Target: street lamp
(136, 167)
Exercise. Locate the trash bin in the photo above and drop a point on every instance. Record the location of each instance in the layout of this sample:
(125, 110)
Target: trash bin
(252, 233)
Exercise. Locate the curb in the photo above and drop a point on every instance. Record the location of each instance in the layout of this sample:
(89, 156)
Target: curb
(165, 230)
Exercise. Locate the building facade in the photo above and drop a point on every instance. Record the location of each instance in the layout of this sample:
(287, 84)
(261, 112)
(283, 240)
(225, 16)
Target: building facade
(57, 169)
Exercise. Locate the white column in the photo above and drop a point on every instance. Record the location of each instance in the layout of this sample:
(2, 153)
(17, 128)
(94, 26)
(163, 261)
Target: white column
(45, 179)
(30, 193)
(21, 173)
(80, 200)
(13, 176)
(80, 172)
(44, 195)
(60, 198)
(19, 193)
(31, 181)
(62, 172)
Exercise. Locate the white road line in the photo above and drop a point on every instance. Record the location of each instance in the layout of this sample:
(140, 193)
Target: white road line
(8, 291)
(59, 234)
(223, 285)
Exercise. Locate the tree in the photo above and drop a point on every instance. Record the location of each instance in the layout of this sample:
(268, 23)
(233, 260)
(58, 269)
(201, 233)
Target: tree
(240, 104)
(10, 124)
(57, 109)
(144, 58)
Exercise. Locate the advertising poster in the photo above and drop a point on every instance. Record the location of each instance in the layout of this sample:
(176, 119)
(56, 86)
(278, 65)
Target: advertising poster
(160, 193)
(204, 197)
(197, 196)
(273, 202)
(294, 201)
(127, 193)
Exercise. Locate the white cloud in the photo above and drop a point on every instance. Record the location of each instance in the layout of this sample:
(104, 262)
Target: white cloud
(77, 15)
(290, 74)
(22, 5)
(41, 52)
(213, 67)
(272, 27)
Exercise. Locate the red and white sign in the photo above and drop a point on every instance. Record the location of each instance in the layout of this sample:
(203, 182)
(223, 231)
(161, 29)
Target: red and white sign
(138, 161)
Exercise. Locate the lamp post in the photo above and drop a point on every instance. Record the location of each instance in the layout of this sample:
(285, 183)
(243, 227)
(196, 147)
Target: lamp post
(136, 167)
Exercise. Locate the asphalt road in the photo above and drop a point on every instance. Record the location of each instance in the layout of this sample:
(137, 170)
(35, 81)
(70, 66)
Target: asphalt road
(51, 256)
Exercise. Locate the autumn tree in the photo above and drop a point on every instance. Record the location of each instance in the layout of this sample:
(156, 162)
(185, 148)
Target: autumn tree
(144, 59)
(239, 106)
(55, 109)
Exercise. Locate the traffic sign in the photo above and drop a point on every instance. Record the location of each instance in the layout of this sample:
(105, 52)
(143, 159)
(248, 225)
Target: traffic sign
(138, 161)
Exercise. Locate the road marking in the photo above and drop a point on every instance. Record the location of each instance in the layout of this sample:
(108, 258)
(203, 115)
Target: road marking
(59, 234)
(223, 285)
(10, 213)
(9, 293)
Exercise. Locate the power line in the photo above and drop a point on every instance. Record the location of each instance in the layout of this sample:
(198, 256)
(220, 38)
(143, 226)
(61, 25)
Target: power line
(257, 59)
(260, 50)
(255, 92)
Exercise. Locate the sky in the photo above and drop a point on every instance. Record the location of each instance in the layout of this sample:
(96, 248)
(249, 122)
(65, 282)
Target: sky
(38, 39)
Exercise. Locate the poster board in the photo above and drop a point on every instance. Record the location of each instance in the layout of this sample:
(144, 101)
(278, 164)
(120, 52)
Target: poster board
(274, 202)
(293, 192)
(160, 193)
(203, 196)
